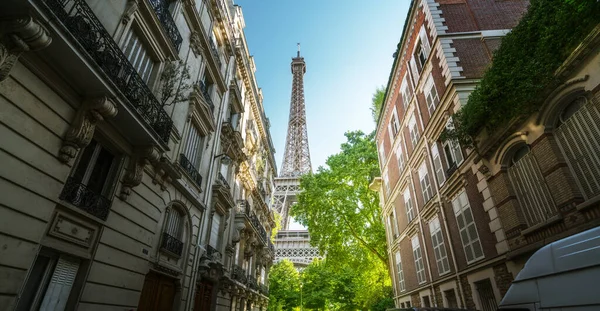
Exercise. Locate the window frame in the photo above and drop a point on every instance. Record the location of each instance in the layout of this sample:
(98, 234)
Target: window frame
(413, 130)
(431, 100)
(425, 182)
(400, 272)
(408, 205)
(460, 211)
(418, 257)
(438, 166)
(400, 156)
(435, 228)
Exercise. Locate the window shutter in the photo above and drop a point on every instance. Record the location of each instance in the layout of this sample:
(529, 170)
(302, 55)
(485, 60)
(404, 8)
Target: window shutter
(437, 163)
(382, 153)
(390, 132)
(400, 156)
(414, 71)
(424, 41)
(457, 153)
(60, 285)
(396, 121)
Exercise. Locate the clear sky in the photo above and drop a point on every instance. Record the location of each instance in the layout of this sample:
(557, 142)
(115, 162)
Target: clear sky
(347, 46)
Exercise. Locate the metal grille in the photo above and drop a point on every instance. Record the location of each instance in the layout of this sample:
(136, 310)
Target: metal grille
(531, 189)
(579, 139)
(486, 295)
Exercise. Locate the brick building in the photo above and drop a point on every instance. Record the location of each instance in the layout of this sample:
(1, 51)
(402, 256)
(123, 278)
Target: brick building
(447, 246)
(461, 224)
(117, 195)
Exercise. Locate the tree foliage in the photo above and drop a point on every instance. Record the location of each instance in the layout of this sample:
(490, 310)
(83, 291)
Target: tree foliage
(284, 286)
(524, 66)
(377, 102)
(175, 83)
(337, 206)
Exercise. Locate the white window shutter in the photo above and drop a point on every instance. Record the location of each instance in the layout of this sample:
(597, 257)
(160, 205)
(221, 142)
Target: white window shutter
(396, 120)
(60, 285)
(437, 163)
(424, 41)
(390, 132)
(414, 71)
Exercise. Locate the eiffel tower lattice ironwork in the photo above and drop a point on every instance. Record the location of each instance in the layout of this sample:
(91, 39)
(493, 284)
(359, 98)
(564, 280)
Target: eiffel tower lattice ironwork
(294, 244)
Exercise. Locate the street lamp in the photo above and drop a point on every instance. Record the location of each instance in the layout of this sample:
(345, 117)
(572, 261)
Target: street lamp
(301, 305)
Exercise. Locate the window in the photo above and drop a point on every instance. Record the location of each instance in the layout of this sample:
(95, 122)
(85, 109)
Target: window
(486, 295)
(414, 132)
(394, 223)
(530, 187)
(173, 233)
(579, 139)
(467, 228)
(424, 182)
(453, 151)
(401, 284)
(400, 157)
(138, 55)
(450, 299)
(431, 95)
(394, 126)
(50, 282)
(381, 153)
(194, 146)
(418, 259)
(426, 302)
(386, 182)
(91, 183)
(388, 228)
(437, 164)
(422, 49)
(439, 249)
(406, 93)
(215, 231)
(410, 213)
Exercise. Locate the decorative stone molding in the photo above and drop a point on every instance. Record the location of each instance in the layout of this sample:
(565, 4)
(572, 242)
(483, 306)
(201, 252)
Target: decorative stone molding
(135, 170)
(195, 43)
(238, 228)
(81, 131)
(19, 35)
(130, 8)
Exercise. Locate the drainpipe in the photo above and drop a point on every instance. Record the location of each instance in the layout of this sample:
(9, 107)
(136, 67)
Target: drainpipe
(439, 200)
(208, 190)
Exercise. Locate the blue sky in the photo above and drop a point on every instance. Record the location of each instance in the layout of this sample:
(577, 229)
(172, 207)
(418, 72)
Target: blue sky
(347, 46)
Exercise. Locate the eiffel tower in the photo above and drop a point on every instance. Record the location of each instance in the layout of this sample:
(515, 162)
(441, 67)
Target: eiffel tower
(294, 244)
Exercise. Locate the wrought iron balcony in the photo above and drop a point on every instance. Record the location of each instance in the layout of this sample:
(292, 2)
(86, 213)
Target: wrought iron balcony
(211, 251)
(204, 89)
(252, 283)
(258, 226)
(451, 170)
(79, 195)
(215, 53)
(263, 289)
(93, 39)
(239, 274)
(171, 244)
(161, 8)
(223, 180)
(189, 168)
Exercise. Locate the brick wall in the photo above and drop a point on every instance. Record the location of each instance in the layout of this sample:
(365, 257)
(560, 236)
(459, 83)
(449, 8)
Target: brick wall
(469, 303)
(497, 14)
(503, 278)
(473, 55)
(408, 264)
(401, 211)
(481, 217)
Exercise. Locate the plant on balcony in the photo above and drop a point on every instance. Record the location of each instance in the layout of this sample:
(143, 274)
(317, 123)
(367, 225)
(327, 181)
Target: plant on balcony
(175, 83)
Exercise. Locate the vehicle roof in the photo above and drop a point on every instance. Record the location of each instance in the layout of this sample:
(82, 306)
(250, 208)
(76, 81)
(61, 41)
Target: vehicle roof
(574, 252)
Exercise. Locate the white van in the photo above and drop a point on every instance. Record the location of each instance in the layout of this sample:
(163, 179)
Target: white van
(561, 276)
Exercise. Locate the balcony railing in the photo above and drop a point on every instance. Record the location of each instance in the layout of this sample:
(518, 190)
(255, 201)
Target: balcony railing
(79, 195)
(263, 289)
(211, 251)
(239, 274)
(215, 53)
(92, 37)
(161, 8)
(252, 283)
(223, 180)
(451, 170)
(244, 208)
(171, 244)
(189, 168)
(204, 89)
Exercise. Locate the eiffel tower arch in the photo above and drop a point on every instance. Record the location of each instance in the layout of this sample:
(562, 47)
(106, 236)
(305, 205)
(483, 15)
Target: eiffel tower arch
(294, 244)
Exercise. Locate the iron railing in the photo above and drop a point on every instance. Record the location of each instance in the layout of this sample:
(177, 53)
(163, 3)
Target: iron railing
(252, 282)
(239, 274)
(171, 244)
(79, 195)
(223, 180)
(211, 251)
(189, 168)
(244, 208)
(77, 17)
(215, 53)
(204, 89)
(161, 8)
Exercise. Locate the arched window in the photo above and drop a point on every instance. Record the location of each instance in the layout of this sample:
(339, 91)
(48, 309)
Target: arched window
(172, 240)
(578, 135)
(529, 186)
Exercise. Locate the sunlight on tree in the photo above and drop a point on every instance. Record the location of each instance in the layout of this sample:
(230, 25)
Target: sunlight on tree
(377, 102)
(284, 286)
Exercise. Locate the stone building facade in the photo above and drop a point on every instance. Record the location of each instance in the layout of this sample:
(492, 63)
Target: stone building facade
(124, 189)
(446, 243)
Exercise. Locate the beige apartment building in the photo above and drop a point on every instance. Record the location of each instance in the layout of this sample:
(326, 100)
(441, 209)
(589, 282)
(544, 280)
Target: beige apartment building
(461, 224)
(136, 161)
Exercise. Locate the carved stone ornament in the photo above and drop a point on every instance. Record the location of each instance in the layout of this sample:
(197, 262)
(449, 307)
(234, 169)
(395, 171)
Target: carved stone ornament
(135, 170)
(81, 131)
(195, 43)
(130, 8)
(238, 226)
(19, 35)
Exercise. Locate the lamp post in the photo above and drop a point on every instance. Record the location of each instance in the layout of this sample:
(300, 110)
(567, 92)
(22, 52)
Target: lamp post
(301, 305)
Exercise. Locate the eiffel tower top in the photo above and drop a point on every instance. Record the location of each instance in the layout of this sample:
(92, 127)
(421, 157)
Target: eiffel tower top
(296, 158)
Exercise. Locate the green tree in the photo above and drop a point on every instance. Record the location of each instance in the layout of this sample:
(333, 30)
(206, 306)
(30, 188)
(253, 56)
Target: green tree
(337, 206)
(377, 102)
(284, 286)
(316, 286)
